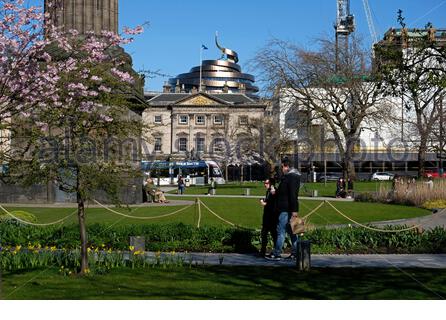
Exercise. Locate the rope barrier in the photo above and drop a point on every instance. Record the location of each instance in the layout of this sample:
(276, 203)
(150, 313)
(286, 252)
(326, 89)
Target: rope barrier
(319, 215)
(222, 219)
(38, 224)
(142, 218)
(199, 212)
(368, 227)
(313, 211)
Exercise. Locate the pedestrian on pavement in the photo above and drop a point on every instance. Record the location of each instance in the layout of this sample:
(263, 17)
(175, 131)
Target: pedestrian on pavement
(270, 217)
(340, 188)
(212, 187)
(181, 185)
(430, 184)
(287, 205)
(350, 188)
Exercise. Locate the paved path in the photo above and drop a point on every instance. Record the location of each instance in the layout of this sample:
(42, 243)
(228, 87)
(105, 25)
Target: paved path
(430, 261)
(427, 222)
(255, 197)
(74, 205)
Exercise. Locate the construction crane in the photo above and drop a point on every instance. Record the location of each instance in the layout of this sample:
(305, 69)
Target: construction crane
(372, 28)
(345, 25)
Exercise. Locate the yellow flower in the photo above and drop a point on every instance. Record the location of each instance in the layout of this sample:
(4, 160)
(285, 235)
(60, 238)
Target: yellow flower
(109, 250)
(17, 248)
(53, 248)
(88, 250)
(131, 248)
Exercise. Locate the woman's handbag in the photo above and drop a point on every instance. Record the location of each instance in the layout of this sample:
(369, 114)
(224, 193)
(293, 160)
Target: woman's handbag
(297, 225)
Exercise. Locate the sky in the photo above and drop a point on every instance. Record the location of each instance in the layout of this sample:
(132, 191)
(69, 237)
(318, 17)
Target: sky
(171, 43)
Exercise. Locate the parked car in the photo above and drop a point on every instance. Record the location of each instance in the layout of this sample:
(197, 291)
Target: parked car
(382, 176)
(433, 174)
(329, 177)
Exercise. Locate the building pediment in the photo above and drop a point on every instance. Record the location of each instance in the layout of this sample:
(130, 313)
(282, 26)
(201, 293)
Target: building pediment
(200, 99)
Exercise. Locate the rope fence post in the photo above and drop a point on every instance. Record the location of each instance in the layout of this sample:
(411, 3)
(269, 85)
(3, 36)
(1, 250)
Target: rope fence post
(303, 255)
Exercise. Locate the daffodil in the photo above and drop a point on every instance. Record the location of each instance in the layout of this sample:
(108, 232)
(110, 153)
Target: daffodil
(131, 248)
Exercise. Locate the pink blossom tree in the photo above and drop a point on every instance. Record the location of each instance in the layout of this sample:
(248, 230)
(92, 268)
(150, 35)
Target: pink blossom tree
(73, 99)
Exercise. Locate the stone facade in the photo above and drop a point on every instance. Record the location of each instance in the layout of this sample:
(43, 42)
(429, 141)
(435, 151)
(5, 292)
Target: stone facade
(84, 15)
(181, 126)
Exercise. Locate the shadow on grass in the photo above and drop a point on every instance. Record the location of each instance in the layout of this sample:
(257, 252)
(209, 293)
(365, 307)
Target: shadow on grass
(228, 283)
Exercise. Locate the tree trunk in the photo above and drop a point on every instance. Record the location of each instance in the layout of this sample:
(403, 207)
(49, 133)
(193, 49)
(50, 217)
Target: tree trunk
(83, 234)
(348, 166)
(422, 150)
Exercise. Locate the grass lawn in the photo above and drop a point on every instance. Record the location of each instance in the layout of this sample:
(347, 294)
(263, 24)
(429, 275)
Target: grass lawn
(228, 283)
(244, 212)
(257, 189)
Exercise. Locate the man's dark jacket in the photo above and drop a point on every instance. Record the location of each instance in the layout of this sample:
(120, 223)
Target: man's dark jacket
(287, 192)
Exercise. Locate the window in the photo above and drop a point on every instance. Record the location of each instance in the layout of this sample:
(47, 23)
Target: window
(219, 145)
(182, 144)
(158, 119)
(158, 144)
(218, 120)
(183, 119)
(200, 144)
(243, 120)
(200, 119)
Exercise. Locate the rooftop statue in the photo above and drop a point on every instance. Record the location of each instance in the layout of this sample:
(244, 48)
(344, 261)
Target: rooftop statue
(227, 54)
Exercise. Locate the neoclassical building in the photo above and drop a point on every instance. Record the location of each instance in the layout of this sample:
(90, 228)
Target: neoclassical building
(198, 125)
(184, 123)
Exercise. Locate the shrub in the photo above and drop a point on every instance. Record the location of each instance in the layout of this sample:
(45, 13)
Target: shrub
(181, 237)
(412, 193)
(435, 204)
(22, 215)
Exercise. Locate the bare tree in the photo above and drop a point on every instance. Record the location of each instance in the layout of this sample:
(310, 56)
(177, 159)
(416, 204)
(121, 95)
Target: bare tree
(414, 69)
(341, 97)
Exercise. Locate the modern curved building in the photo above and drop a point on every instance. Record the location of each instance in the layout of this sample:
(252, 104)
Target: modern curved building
(218, 76)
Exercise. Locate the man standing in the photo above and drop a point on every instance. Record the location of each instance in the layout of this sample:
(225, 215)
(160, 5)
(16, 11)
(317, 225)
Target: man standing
(287, 206)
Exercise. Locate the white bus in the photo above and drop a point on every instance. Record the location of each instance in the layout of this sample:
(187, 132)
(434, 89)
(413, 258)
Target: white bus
(193, 172)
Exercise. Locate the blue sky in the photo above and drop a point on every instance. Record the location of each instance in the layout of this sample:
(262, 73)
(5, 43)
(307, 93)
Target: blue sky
(178, 28)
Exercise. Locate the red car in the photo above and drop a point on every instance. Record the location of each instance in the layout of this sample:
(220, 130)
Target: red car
(433, 174)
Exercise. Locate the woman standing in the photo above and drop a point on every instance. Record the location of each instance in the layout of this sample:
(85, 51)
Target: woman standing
(270, 217)
(181, 185)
